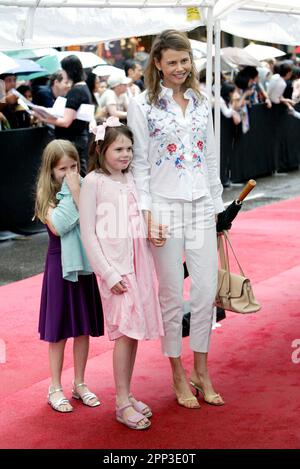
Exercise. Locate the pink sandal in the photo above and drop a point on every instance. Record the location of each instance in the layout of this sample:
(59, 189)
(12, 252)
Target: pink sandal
(140, 406)
(133, 420)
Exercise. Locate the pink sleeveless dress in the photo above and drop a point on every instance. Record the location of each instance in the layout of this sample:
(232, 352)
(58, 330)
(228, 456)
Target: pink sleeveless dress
(135, 313)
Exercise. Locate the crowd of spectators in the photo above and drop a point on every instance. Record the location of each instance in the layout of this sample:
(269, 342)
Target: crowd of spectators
(272, 84)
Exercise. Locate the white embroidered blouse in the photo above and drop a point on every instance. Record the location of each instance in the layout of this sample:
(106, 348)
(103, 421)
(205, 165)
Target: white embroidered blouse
(174, 153)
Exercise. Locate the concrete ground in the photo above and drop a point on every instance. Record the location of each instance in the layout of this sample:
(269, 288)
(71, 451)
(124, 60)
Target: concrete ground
(25, 256)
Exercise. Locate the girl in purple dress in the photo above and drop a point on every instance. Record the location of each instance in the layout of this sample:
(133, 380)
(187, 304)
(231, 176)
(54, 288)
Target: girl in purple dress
(70, 300)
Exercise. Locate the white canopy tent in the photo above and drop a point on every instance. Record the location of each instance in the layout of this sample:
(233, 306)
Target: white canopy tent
(39, 23)
(59, 25)
(44, 23)
(6, 63)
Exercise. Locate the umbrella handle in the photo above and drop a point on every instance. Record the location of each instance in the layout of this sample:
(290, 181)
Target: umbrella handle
(248, 188)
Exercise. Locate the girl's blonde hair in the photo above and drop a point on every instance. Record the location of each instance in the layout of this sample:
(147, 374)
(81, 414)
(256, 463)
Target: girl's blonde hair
(98, 149)
(47, 187)
(168, 39)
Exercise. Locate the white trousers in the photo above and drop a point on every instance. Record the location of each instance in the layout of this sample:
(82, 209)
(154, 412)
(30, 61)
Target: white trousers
(192, 232)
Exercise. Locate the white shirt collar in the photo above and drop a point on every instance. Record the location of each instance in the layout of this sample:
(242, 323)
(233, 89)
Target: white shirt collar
(188, 94)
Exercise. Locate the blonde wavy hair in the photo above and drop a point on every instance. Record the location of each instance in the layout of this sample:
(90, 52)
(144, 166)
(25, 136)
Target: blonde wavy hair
(168, 39)
(46, 186)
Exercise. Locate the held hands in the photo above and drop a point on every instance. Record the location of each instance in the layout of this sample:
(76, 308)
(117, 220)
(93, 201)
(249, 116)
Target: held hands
(157, 233)
(119, 288)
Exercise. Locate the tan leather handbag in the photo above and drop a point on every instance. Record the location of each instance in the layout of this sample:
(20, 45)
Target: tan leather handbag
(234, 291)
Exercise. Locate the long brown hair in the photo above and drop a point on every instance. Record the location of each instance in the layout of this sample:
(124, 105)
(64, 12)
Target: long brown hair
(98, 149)
(168, 39)
(47, 187)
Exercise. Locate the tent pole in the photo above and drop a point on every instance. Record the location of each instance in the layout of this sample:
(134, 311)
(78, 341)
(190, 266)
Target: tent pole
(217, 90)
(209, 29)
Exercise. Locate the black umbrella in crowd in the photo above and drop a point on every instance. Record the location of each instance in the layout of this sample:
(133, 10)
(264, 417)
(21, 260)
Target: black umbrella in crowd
(224, 222)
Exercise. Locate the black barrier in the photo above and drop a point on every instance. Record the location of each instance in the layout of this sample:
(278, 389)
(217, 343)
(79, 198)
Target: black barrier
(289, 152)
(21, 151)
(228, 130)
(252, 154)
(271, 144)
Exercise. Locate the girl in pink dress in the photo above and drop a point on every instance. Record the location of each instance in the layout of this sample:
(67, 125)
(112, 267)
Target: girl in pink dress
(114, 236)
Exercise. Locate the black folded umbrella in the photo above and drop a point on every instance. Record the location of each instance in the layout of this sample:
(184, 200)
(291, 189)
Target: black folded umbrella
(226, 217)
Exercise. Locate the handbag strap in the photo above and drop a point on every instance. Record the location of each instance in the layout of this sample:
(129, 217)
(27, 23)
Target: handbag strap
(224, 261)
(227, 241)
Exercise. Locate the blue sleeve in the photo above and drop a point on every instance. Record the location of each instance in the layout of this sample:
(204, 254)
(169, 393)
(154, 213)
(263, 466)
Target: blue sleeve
(65, 216)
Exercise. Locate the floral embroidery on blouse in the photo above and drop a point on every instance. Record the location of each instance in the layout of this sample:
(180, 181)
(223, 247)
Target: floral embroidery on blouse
(162, 103)
(163, 126)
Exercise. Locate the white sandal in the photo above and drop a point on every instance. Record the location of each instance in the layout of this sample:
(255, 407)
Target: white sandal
(59, 402)
(85, 397)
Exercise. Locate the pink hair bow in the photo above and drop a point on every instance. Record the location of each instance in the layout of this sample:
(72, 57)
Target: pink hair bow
(99, 130)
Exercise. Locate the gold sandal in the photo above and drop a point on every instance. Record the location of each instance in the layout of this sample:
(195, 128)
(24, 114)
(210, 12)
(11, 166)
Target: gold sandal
(184, 400)
(209, 399)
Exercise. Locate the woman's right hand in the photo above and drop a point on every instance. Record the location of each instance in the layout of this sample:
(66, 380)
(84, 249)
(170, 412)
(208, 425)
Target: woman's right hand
(157, 233)
(119, 288)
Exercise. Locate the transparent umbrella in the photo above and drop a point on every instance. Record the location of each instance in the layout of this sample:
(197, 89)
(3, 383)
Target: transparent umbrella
(107, 70)
(25, 66)
(238, 56)
(232, 56)
(50, 65)
(31, 53)
(261, 52)
(88, 59)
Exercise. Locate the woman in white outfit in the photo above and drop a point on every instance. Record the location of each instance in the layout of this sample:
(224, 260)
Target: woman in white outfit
(175, 170)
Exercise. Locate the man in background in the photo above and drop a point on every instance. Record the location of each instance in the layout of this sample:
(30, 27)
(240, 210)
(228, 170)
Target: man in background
(134, 71)
(45, 95)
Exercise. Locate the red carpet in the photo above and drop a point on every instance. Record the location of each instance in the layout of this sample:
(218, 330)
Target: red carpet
(250, 362)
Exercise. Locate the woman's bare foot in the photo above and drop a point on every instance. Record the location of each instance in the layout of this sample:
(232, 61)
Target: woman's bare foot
(183, 392)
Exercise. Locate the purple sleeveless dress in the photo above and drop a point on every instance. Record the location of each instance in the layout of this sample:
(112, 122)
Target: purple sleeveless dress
(68, 309)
